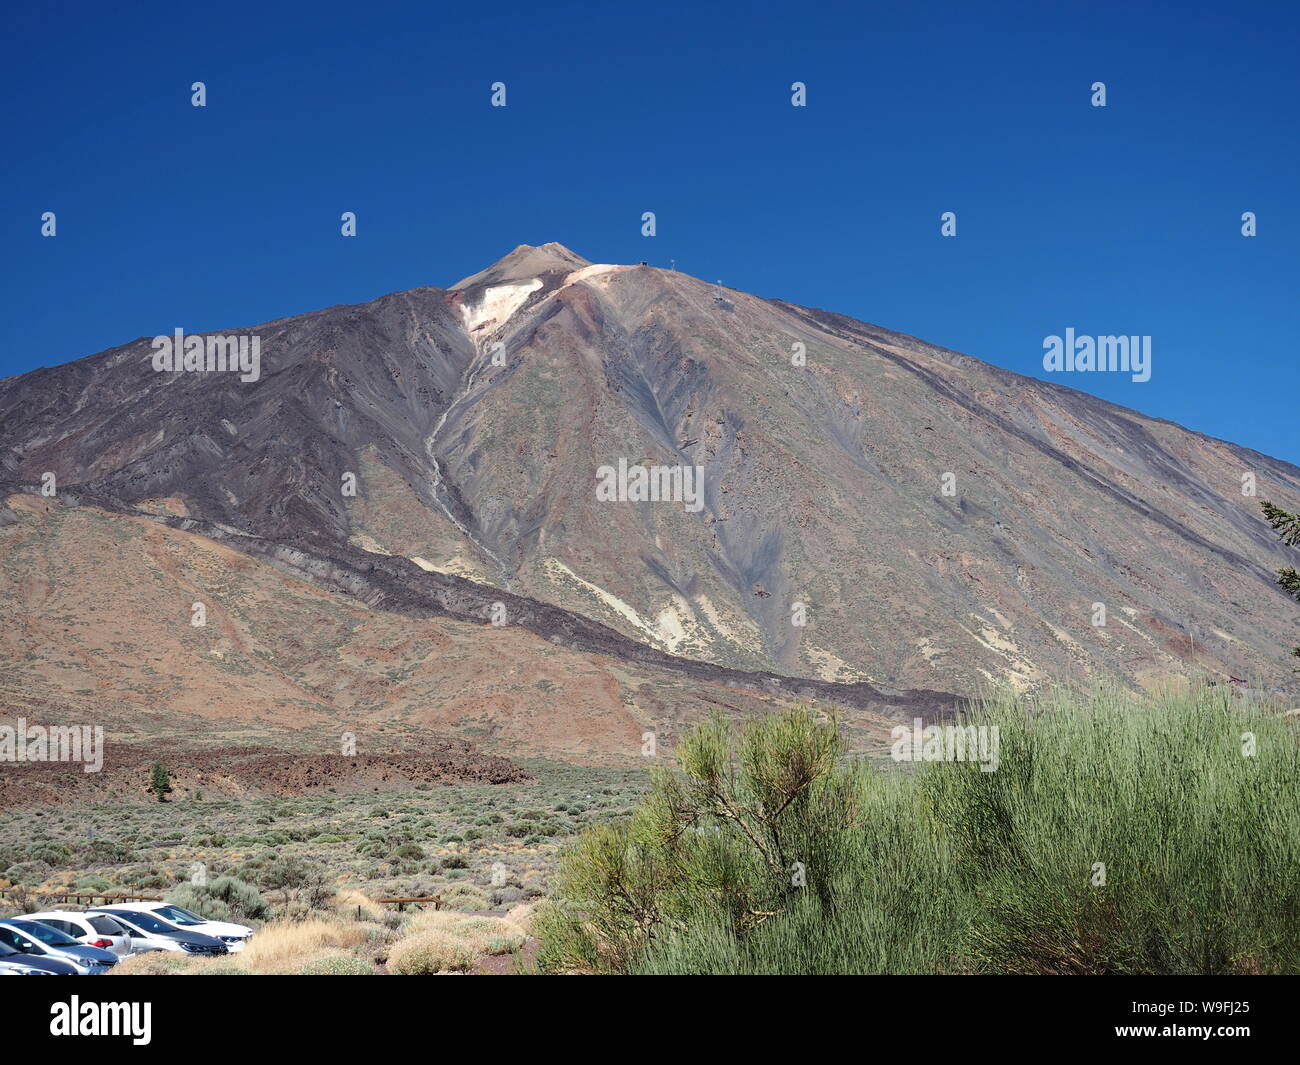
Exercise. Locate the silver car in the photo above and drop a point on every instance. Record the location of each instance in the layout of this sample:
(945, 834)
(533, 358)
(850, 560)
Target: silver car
(151, 932)
(89, 929)
(32, 937)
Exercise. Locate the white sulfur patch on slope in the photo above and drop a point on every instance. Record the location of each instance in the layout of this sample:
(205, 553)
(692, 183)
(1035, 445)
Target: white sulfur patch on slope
(497, 305)
(554, 567)
(676, 628)
(595, 270)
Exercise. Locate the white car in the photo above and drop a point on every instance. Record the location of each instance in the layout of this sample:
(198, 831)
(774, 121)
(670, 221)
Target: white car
(91, 929)
(151, 932)
(234, 936)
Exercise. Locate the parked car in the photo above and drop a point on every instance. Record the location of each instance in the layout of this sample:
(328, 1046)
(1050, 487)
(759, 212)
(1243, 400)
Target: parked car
(15, 962)
(150, 932)
(234, 936)
(32, 937)
(103, 932)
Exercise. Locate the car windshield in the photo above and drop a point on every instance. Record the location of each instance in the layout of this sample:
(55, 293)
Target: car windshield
(106, 926)
(147, 921)
(178, 916)
(46, 934)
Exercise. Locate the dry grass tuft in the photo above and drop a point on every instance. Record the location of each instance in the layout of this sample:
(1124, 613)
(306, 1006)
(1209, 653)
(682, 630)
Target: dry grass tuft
(156, 963)
(288, 945)
(429, 952)
(347, 903)
(480, 935)
(521, 917)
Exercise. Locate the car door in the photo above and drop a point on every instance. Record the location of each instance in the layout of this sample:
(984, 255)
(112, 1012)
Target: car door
(106, 928)
(141, 942)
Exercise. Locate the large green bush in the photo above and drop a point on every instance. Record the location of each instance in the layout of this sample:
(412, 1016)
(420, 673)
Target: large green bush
(1114, 836)
(1157, 838)
(225, 898)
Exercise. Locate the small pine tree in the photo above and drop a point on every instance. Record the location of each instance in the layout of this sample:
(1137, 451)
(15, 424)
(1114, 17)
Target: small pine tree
(1288, 530)
(161, 782)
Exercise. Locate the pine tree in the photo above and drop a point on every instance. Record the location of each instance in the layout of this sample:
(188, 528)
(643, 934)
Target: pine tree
(161, 782)
(1288, 529)
(1287, 524)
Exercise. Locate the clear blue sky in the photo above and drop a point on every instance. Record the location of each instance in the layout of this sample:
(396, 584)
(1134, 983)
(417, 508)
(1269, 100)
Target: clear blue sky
(1117, 220)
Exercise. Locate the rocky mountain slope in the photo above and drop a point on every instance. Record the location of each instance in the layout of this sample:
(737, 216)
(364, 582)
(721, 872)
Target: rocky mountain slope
(297, 652)
(475, 422)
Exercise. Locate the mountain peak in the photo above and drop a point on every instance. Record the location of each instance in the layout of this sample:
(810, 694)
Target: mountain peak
(526, 261)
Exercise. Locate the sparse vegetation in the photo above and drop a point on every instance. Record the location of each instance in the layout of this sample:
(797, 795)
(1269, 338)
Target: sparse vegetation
(311, 856)
(1116, 836)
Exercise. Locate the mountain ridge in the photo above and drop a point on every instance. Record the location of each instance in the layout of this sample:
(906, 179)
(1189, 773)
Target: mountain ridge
(931, 348)
(482, 470)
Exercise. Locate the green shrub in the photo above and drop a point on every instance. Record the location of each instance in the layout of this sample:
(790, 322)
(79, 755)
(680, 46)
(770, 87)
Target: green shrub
(286, 873)
(503, 944)
(223, 899)
(28, 873)
(196, 899)
(1130, 839)
(1114, 836)
(758, 821)
(464, 897)
(51, 853)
